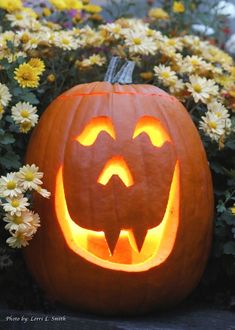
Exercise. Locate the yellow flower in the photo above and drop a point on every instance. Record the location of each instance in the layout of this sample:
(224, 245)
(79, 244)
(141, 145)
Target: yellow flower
(26, 76)
(37, 64)
(46, 12)
(51, 78)
(58, 4)
(1, 111)
(148, 75)
(73, 4)
(25, 127)
(66, 4)
(233, 209)
(10, 5)
(158, 13)
(178, 7)
(94, 9)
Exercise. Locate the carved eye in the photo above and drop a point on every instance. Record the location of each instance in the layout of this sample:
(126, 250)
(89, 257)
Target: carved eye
(153, 128)
(91, 131)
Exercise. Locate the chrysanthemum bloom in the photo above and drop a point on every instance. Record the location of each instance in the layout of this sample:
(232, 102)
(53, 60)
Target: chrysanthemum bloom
(29, 177)
(27, 221)
(1, 111)
(165, 74)
(26, 76)
(10, 5)
(94, 9)
(202, 89)
(19, 238)
(5, 95)
(43, 192)
(9, 185)
(25, 115)
(158, 13)
(139, 43)
(178, 7)
(65, 41)
(15, 205)
(213, 126)
(37, 64)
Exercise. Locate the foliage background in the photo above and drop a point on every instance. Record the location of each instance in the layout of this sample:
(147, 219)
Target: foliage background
(18, 290)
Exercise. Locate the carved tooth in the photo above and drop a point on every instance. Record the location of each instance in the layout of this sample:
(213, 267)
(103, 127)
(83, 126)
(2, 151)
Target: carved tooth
(112, 238)
(138, 235)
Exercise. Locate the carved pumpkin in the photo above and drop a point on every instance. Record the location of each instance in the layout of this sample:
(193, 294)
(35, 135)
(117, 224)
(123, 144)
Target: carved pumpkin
(128, 226)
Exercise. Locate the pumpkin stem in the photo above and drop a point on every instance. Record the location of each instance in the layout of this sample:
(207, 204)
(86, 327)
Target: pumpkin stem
(123, 76)
(111, 69)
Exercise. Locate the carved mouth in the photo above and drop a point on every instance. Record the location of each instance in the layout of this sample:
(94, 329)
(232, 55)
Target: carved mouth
(92, 246)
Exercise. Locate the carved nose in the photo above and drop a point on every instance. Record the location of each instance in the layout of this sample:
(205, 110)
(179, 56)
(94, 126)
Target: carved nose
(116, 166)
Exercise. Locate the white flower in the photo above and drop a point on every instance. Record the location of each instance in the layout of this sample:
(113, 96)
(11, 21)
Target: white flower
(93, 60)
(201, 88)
(19, 238)
(218, 109)
(43, 192)
(25, 115)
(9, 185)
(22, 19)
(24, 112)
(176, 86)
(5, 95)
(214, 126)
(65, 40)
(29, 177)
(203, 29)
(115, 30)
(15, 222)
(34, 223)
(225, 8)
(27, 221)
(165, 74)
(140, 43)
(193, 63)
(16, 205)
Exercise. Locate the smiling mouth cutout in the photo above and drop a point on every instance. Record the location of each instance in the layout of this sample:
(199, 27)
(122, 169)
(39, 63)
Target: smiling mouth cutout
(92, 245)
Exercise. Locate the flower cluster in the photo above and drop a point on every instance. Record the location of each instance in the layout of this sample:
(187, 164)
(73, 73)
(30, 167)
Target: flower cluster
(47, 49)
(22, 223)
(28, 74)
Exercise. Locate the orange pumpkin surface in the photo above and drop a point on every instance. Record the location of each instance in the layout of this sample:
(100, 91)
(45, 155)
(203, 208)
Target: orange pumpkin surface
(128, 226)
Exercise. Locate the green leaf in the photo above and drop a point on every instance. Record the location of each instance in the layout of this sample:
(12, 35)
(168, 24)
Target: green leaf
(5, 63)
(10, 160)
(30, 97)
(220, 207)
(229, 248)
(7, 138)
(20, 60)
(233, 231)
(230, 143)
(10, 45)
(16, 91)
(217, 168)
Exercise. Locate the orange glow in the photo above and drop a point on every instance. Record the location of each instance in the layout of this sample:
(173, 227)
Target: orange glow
(154, 129)
(92, 246)
(93, 128)
(116, 166)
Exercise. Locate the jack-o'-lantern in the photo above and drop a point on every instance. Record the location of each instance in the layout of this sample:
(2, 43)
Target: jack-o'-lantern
(128, 225)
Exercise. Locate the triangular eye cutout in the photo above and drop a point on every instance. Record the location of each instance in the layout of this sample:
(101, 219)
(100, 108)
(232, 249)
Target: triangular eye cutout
(91, 131)
(154, 129)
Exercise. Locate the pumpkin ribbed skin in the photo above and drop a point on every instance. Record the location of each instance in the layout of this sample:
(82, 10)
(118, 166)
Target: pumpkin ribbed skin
(64, 274)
